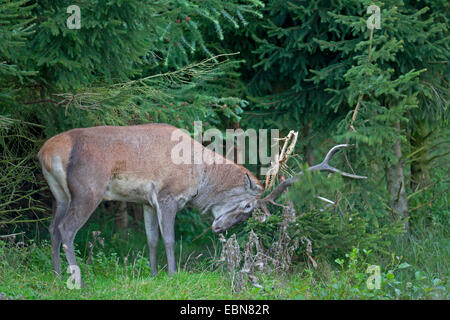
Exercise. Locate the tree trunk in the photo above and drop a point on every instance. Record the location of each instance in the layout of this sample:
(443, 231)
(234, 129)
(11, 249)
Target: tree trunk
(420, 171)
(396, 184)
(122, 216)
(136, 212)
(308, 149)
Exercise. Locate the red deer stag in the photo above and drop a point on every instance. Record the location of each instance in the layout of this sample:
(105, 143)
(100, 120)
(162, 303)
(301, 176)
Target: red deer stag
(85, 166)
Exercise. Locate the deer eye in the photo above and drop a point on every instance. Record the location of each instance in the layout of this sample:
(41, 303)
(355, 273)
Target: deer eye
(247, 206)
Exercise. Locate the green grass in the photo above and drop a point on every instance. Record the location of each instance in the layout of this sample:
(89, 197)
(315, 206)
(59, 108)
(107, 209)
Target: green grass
(184, 285)
(26, 273)
(413, 267)
(29, 275)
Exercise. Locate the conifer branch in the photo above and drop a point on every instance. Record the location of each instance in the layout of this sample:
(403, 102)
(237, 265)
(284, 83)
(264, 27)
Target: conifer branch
(358, 103)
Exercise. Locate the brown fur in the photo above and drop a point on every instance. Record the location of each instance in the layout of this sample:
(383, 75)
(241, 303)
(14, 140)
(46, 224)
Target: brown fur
(142, 150)
(60, 144)
(134, 164)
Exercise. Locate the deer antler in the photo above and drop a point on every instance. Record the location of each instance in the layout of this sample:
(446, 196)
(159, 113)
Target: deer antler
(323, 166)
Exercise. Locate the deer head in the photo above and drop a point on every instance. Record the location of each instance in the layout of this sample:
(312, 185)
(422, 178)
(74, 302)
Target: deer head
(238, 206)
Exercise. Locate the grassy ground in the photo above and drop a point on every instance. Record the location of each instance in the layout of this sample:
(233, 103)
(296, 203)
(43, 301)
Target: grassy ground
(26, 273)
(414, 267)
(184, 285)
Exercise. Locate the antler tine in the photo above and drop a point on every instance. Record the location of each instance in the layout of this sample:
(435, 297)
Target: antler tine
(323, 166)
(334, 150)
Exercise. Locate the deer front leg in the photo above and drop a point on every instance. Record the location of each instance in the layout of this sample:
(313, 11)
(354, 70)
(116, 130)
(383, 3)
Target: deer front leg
(152, 231)
(166, 218)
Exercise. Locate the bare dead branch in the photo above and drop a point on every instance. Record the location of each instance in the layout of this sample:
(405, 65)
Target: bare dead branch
(11, 235)
(288, 147)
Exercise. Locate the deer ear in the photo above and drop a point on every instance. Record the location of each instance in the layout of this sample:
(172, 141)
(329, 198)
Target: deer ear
(249, 184)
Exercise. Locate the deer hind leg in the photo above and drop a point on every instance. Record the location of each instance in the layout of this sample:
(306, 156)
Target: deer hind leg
(55, 236)
(81, 208)
(87, 186)
(57, 184)
(152, 231)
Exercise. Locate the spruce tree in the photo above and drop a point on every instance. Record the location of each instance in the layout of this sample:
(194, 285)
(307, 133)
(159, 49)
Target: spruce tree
(129, 62)
(314, 73)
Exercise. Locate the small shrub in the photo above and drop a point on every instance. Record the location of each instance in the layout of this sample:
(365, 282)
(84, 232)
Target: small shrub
(254, 260)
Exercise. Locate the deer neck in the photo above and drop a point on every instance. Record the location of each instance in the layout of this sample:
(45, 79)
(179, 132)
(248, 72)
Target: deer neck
(216, 184)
